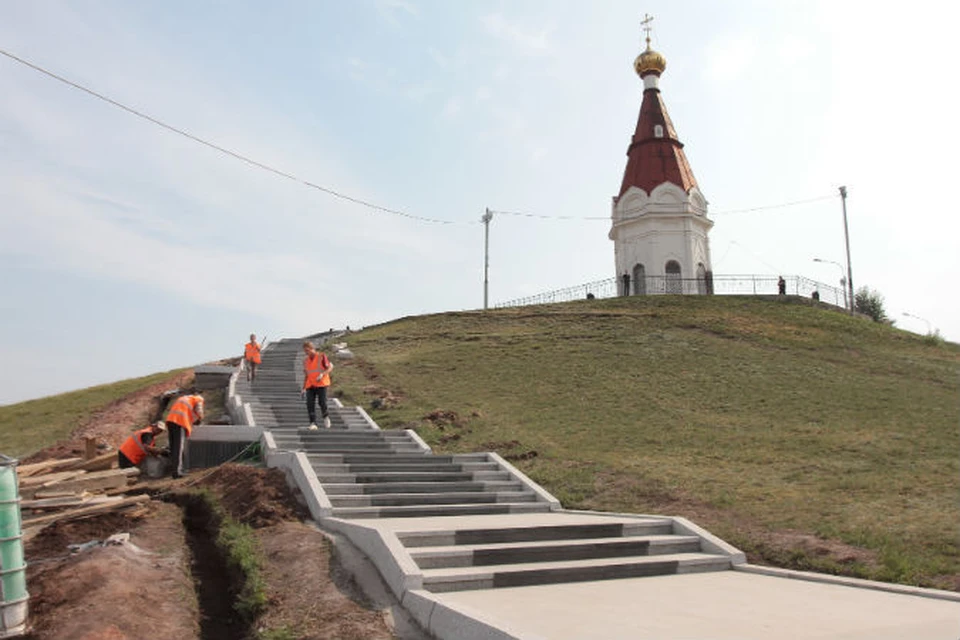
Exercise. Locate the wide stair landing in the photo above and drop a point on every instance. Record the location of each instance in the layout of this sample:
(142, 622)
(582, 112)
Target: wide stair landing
(389, 477)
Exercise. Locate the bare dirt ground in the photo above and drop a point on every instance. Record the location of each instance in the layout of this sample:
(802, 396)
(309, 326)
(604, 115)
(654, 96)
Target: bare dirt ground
(110, 426)
(148, 587)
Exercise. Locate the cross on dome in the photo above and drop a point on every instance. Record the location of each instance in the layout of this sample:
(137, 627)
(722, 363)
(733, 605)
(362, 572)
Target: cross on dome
(650, 61)
(647, 19)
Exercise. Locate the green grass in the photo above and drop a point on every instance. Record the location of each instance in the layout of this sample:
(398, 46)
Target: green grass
(29, 426)
(758, 415)
(242, 556)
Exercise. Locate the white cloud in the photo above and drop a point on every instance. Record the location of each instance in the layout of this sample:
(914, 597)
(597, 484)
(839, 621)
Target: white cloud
(535, 41)
(729, 58)
(390, 9)
(452, 107)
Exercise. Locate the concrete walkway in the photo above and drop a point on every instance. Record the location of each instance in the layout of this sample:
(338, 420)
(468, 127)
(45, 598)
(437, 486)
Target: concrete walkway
(720, 606)
(456, 574)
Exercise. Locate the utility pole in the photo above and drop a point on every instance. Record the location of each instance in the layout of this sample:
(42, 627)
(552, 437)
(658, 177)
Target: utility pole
(846, 236)
(487, 217)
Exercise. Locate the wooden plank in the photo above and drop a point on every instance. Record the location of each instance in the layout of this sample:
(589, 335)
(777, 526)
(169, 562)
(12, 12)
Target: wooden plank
(83, 512)
(40, 494)
(100, 480)
(50, 478)
(52, 503)
(103, 462)
(89, 448)
(27, 470)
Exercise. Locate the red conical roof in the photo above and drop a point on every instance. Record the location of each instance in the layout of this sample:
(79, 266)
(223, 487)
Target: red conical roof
(653, 160)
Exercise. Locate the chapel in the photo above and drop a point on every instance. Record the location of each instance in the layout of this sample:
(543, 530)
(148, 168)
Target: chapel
(659, 223)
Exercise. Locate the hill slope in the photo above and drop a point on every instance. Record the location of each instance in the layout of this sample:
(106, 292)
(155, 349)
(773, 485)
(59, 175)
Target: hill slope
(809, 438)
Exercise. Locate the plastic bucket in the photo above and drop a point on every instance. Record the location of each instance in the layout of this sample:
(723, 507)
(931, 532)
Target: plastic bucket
(155, 467)
(13, 576)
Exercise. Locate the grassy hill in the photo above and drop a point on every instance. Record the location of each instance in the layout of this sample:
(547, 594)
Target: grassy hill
(28, 426)
(806, 437)
(809, 438)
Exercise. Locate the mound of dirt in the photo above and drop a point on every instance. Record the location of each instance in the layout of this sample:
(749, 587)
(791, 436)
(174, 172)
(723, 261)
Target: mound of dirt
(137, 590)
(255, 496)
(311, 608)
(111, 425)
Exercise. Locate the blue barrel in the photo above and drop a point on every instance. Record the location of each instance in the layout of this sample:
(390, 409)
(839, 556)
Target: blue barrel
(13, 574)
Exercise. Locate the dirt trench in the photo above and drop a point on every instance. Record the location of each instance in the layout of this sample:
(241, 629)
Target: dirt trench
(214, 582)
(169, 581)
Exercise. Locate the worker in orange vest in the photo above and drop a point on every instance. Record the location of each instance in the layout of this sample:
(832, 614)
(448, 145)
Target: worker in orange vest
(185, 412)
(251, 357)
(139, 445)
(316, 379)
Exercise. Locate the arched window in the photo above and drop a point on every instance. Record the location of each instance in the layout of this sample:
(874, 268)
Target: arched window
(674, 284)
(702, 287)
(639, 280)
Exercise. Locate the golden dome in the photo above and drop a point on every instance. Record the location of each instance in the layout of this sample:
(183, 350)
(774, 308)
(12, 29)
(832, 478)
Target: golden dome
(649, 61)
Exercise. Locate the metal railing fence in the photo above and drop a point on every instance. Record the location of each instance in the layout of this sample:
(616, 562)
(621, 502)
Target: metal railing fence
(743, 285)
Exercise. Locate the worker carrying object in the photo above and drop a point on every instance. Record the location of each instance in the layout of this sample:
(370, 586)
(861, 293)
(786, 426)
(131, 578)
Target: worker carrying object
(185, 412)
(316, 379)
(251, 357)
(140, 445)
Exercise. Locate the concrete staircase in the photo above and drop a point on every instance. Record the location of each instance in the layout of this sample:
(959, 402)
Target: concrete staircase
(367, 472)
(491, 558)
(443, 523)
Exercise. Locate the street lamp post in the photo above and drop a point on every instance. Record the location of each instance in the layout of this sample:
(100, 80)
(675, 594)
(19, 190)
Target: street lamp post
(846, 237)
(843, 279)
(929, 326)
(485, 219)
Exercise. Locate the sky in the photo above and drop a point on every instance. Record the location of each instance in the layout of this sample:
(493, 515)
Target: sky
(127, 248)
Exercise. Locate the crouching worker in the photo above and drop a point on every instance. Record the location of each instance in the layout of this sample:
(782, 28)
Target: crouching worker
(140, 445)
(186, 411)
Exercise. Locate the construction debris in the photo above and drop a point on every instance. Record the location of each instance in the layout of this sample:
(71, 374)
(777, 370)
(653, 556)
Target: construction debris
(73, 488)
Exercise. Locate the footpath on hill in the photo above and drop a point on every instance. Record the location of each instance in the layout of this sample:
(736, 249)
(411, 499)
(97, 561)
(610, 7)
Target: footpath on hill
(162, 583)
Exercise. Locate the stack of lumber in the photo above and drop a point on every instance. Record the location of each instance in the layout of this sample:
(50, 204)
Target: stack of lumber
(73, 488)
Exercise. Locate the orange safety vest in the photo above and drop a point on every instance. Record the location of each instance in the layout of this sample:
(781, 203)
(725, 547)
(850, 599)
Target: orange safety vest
(185, 411)
(251, 352)
(313, 371)
(134, 448)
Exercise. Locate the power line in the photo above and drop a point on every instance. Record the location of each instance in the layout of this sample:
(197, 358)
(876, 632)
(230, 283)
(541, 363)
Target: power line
(327, 190)
(774, 206)
(217, 147)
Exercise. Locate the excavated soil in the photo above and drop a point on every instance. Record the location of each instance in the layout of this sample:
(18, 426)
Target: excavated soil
(146, 588)
(111, 425)
(137, 590)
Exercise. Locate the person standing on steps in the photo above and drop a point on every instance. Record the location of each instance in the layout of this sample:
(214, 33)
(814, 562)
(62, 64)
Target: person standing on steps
(184, 413)
(316, 379)
(251, 357)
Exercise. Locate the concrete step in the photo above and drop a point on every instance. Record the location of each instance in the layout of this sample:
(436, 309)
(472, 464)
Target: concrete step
(436, 538)
(426, 465)
(352, 488)
(420, 511)
(519, 575)
(355, 435)
(455, 497)
(349, 449)
(552, 550)
(411, 476)
(375, 458)
(354, 449)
